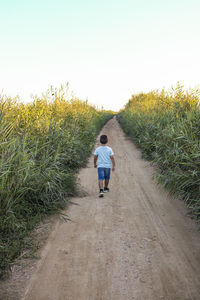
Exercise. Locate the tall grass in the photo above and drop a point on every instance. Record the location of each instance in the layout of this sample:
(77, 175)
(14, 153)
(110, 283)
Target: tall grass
(166, 126)
(42, 145)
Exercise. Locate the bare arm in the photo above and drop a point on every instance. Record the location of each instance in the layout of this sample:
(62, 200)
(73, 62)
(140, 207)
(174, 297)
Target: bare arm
(95, 160)
(113, 162)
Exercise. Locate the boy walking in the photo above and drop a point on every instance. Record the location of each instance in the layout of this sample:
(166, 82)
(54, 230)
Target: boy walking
(104, 156)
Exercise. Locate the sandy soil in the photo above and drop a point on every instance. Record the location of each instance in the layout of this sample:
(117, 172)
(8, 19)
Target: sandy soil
(135, 243)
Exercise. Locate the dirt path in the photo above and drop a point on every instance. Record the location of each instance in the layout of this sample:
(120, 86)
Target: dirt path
(135, 243)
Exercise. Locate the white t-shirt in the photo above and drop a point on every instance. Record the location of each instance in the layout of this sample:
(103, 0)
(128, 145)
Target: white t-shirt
(103, 153)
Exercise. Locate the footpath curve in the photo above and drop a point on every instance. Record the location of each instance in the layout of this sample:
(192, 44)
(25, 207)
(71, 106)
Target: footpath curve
(135, 243)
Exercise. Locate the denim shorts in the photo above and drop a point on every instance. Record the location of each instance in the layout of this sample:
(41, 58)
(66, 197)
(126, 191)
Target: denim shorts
(103, 173)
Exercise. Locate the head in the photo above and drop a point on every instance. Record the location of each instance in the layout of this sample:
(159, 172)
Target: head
(103, 139)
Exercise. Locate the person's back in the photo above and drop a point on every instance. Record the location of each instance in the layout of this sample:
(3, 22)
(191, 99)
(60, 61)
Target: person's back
(104, 153)
(103, 156)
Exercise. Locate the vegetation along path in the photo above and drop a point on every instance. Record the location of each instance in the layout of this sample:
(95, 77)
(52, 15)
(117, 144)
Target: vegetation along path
(135, 243)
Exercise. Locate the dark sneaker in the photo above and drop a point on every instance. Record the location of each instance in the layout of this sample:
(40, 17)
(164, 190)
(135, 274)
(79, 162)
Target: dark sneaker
(101, 194)
(106, 190)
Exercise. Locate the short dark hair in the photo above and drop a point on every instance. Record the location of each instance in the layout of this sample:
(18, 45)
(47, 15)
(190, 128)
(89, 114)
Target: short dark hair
(103, 139)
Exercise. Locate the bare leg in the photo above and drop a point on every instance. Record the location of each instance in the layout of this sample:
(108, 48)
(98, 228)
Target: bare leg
(101, 184)
(106, 183)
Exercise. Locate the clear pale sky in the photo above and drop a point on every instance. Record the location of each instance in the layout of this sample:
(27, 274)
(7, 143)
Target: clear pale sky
(107, 50)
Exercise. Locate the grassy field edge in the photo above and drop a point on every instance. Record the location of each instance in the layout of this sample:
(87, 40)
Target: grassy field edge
(166, 127)
(42, 146)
